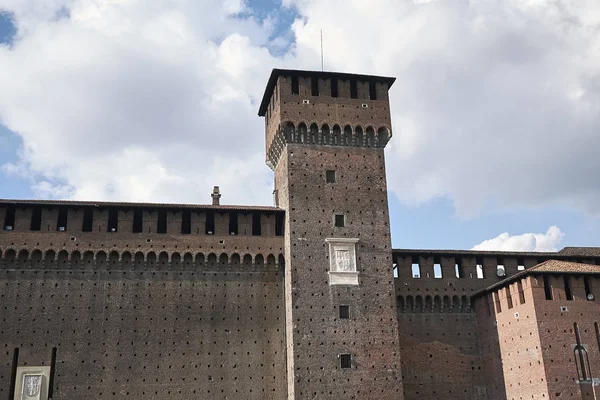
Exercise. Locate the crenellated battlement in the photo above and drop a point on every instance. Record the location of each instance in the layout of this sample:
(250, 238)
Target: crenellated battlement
(122, 219)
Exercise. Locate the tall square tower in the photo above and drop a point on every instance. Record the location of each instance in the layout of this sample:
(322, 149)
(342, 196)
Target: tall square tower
(325, 139)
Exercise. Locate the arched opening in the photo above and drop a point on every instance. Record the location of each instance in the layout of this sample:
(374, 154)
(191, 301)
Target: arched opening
(347, 136)
(314, 134)
(223, 261)
(418, 304)
(10, 258)
(270, 260)
(76, 260)
(139, 260)
(188, 261)
(337, 135)
(400, 304)
(259, 260)
(199, 260)
(455, 304)
(437, 304)
(23, 259)
(113, 259)
(383, 136)
(163, 260)
(302, 131)
(175, 260)
(359, 136)
(49, 258)
(370, 137)
(281, 261)
(100, 259)
(289, 131)
(325, 134)
(409, 305)
(465, 306)
(235, 260)
(88, 259)
(247, 260)
(428, 304)
(126, 260)
(63, 259)
(151, 260)
(447, 304)
(212, 260)
(36, 259)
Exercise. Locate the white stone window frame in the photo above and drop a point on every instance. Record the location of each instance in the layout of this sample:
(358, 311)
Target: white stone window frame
(347, 276)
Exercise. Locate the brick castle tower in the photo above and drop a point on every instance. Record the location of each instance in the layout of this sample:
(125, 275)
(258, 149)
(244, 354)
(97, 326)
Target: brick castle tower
(325, 139)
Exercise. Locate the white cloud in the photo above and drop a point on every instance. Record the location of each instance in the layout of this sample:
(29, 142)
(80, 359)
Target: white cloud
(496, 105)
(126, 100)
(548, 241)
(497, 102)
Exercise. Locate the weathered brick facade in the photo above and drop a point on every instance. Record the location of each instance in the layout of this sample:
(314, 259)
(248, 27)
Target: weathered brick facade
(303, 300)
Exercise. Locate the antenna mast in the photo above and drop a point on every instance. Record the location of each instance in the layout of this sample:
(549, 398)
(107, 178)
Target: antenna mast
(322, 50)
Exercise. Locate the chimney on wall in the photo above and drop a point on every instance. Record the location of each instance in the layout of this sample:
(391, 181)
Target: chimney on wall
(216, 195)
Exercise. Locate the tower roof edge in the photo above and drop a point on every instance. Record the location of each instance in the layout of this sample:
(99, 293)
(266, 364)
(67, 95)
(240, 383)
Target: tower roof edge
(276, 73)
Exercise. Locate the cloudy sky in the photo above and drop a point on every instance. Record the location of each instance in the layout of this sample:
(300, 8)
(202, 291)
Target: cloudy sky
(496, 107)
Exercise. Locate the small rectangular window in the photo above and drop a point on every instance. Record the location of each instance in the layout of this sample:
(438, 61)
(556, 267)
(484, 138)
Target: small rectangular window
(161, 225)
(9, 219)
(36, 219)
(479, 271)
(344, 312)
(547, 288)
(314, 83)
(88, 220)
(209, 225)
(340, 221)
(61, 223)
(186, 222)
(233, 223)
(353, 89)
(256, 224)
(295, 85)
(334, 87)
(458, 269)
(568, 293)
(345, 361)
(372, 91)
(330, 176)
(279, 225)
(138, 225)
(416, 270)
(113, 220)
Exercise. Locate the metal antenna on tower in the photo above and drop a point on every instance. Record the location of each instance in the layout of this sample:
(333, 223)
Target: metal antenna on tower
(322, 50)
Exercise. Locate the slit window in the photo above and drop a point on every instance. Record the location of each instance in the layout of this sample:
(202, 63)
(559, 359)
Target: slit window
(9, 219)
(547, 288)
(295, 85)
(209, 225)
(279, 225)
(52, 373)
(340, 221)
(256, 225)
(479, 270)
(330, 176)
(138, 225)
(36, 219)
(416, 270)
(314, 86)
(113, 220)
(497, 302)
(353, 90)
(186, 222)
(334, 87)
(372, 91)
(437, 270)
(568, 293)
(458, 270)
(586, 285)
(344, 312)
(509, 297)
(233, 223)
(61, 223)
(597, 330)
(521, 293)
(345, 361)
(161, 225)
(88, 220)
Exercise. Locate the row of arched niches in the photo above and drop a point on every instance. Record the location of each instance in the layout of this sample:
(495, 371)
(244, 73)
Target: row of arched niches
(174, 261)
(433, 304)
(314, 134)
